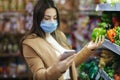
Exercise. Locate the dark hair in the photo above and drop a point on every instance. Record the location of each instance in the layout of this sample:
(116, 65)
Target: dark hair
(38, 15)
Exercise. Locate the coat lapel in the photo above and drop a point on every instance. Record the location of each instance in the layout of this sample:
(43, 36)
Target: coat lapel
(43, 49)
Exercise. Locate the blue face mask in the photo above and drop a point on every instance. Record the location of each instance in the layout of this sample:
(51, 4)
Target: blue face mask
(48, 26)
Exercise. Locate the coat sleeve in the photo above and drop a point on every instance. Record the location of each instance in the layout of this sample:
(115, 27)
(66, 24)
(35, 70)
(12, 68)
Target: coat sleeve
(82, 55)
(37, 66)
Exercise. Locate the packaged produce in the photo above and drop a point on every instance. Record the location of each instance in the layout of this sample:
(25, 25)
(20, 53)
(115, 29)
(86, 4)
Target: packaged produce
(13, 5)
(1, 6)
(6, 5)
(20, 5)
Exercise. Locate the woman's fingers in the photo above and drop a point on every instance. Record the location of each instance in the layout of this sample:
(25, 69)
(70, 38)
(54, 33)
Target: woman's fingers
(103, 39)
(100, 40)
(70, 60)
(64, 64)
(96, 41)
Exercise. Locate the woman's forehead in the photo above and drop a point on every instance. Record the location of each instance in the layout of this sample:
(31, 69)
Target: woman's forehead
(50, 12)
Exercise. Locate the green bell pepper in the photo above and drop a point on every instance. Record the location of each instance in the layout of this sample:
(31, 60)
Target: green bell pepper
(97, 32)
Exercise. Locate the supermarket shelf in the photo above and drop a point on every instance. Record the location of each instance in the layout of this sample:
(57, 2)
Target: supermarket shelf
(90, 13)
(17, 34)
(104, 75)
(89, 8)
(10, 55)
(15, 76)
(113, 47)
(10, 13)
(108, 7)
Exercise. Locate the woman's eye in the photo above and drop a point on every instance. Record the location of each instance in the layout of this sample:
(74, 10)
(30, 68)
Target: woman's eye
(50, 18)
(46, 19)
(55, 18)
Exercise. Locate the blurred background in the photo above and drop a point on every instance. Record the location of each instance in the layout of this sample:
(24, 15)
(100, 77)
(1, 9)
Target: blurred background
(78, 19)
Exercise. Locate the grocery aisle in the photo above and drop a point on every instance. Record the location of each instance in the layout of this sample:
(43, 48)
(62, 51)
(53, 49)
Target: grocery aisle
(79, 19)
(104, 63)
(15, 20)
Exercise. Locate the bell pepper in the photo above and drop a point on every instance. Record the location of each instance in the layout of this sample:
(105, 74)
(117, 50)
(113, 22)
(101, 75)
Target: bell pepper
(116, 77)
(102, 24)
(97, 32)
(111, 35)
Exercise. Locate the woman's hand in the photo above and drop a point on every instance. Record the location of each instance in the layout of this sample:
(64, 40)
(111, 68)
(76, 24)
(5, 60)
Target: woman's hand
(63, 65)
(98, 42)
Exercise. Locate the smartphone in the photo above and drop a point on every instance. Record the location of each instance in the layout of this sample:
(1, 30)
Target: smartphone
(67, 54)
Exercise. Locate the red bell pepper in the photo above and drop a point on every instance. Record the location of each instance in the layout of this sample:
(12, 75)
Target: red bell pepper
(116, 77)
(111, 34)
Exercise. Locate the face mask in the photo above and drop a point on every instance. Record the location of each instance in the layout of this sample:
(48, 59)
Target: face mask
(48, 26)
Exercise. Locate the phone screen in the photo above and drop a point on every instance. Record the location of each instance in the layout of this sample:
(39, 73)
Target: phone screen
(70, 51)
(67, 54)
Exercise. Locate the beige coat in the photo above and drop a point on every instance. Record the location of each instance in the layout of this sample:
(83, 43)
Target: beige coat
(40, 57)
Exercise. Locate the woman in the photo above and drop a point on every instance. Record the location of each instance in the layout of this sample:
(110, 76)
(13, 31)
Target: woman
(45, 44)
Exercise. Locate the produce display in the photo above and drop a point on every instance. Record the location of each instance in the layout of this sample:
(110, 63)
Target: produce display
(109, 26)
(117, 37)
(89, 69)
(107, 61)
(110, 1)
(107, 66)
(112, 67)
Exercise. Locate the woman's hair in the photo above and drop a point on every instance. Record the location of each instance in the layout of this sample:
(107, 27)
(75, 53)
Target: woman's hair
(38, 14)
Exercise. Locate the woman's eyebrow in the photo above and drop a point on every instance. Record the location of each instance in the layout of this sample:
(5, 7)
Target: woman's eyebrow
(49, 16)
